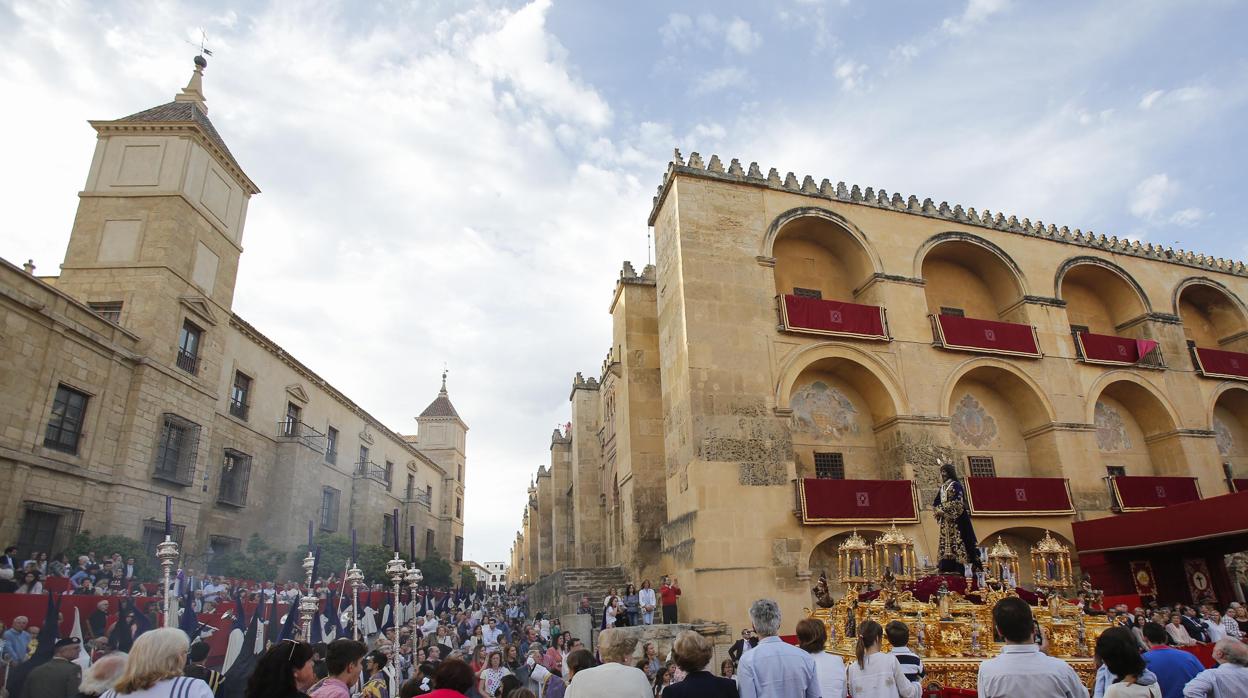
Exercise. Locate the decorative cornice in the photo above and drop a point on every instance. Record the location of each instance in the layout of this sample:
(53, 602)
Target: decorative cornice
(927, 208)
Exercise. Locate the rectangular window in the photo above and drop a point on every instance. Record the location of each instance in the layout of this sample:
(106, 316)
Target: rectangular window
(69, 411)
(459, 508)
(387, 531)
(109, 310)
(981, 466)
(1116, 471)
(429, 495)
(830, 466)
(361, 465)
(235, 474)
(331, 446)
(188, 347)
(429, 548)
(154, 534)
(294, 420)
(1078, 329)
(808, 293)
(329, 508)
(954, 312)
(459, 473)
(459, 549)
(175, 451)
(46, 527)
(410, 492)
(389, 473)
(240, 395)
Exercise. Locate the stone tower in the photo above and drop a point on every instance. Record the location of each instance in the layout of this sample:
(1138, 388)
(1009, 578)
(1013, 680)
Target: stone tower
(159, 229)
(442, 436)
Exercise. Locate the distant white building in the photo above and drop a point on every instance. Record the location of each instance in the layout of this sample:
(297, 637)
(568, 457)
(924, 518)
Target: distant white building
(497, 578)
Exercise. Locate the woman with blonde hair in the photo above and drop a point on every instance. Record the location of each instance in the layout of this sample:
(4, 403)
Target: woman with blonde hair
(878, 674)
(154, 668)
(102, 675)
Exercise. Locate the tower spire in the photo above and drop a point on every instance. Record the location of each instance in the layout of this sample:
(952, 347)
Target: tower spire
(194, 90)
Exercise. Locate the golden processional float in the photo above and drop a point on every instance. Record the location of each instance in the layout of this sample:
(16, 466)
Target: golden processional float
(951, 632)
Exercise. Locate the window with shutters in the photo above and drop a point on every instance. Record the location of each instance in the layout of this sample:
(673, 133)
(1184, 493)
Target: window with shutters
(981, 466)
(329, 508)
(188, 347)
(175, 450)
(808, 293)
(830, 466)
(240, 395)
(69, 411)
(235, 474)
(954, 312)
(294, 420)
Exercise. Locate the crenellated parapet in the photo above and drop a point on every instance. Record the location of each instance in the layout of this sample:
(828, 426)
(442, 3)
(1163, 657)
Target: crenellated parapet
(879, 198)
(629, 275)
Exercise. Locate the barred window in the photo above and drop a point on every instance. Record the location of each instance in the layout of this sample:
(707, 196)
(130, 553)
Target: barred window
(154, 534)
(109, 310)
(954, 312)
(329, 508)
(46, 527)
(981, 466)
(240, 395)
(175, 451)
(331, 445)
(69, 410)
(830, 466)
(235, 474)
(808, 293)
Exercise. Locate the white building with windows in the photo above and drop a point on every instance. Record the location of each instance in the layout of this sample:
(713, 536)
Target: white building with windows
(497, 579)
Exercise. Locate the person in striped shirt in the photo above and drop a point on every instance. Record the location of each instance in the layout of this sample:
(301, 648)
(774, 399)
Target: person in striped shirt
(898, 634)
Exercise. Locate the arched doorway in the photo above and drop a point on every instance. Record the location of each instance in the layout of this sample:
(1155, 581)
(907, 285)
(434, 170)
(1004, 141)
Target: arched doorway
(1135, 431)
(966, 276)
(823, 556)
(1230, 429)
(994, 412)
(817, 256)
(1212, 317)
(1100, 297)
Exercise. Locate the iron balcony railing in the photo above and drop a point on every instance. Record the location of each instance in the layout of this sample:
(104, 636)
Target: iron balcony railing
(187, 361)
(294, 430)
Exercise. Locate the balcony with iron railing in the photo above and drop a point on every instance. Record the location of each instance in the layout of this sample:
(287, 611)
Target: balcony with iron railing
(371, 471)
(187, 361)
(294, 431)
(239, 409)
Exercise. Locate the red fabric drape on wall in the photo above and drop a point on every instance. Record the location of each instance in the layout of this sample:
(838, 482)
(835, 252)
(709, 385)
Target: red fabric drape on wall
(1144, 491)
(1018, 495)
(987, 335)
(1216, 362)
(830, 501)
(833, 317)
(1208, 518)
(1115, 350)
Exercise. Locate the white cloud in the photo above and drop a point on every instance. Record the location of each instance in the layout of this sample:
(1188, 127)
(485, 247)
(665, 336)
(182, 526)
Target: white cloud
(1148, 100)
(708, 31)
(739, 35)
(1187, 217)
(1182, 95)
(720, 79)
(676, 28)
(1150, 195)
(973, 15)
(850, 74)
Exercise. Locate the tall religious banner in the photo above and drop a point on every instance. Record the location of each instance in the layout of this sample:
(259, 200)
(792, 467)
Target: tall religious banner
(1198, 580)
(1142, 575)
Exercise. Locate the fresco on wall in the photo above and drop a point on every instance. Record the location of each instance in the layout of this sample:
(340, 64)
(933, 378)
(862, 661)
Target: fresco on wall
(972, 424)
(1222, 434)
(823, 411)
(1111, 431)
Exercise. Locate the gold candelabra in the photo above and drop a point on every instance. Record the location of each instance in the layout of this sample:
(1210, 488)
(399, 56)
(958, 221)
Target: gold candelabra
(1002, 565)
(894, 554)
(853, 562)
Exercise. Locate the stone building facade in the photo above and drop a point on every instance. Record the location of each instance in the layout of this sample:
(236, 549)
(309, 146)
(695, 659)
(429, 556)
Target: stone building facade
(692, 449)
(128, 378)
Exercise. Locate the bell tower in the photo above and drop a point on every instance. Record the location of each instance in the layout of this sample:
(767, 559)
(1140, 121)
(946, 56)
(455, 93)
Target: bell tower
(159, 228)
(442, 436)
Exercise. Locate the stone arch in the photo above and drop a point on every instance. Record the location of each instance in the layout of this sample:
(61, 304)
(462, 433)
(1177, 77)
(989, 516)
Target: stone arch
(1136, 426)
(1212, 315)
(1099, 294)
(999, 414)
(803, 358)
(823, 552)
(817, 249)
(1228, 419)
(970, 273)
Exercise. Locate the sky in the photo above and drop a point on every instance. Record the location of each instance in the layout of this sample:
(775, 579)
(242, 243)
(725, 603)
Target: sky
(457, 183)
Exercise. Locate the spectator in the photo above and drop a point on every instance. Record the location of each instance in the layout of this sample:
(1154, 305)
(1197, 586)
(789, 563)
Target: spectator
(195, 668)
(103, 675)
(1191, 623)
(377, 685)
(646, 602)
(59, 676)
(30, 583)
(614, 678)
(16, 641)
(490, 678)
(579, 660)
(1229, 679)
(1230, 626)
(728, 670)
(7, 585)
(876, 674)
(154, 668)
(1178, 632)
(453, 679)
(748, 641)
(669, 592)
(1212, 623)
(898, 634)
(650, 662)
(812, 636)
(1021, 669)
(343, 662)
(9, 558)
(692, 653)
(1125, 669)
(775, 668)
(284, 671)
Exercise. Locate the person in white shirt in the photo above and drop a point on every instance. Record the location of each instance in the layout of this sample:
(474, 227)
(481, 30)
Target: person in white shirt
(490, 634)
(1229, 625)
(812, 636)
(877, 674)
(775, 668)
(1022, 669)
(1229, 679)
(646, 602)
(615, 677)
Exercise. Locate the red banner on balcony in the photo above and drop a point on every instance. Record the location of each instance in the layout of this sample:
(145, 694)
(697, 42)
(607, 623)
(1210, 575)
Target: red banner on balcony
(1222, 364)
(1135, 492)
(1017, 496)
(1238, 484)
(857, 501)
(818, 316)
(1108, 349)
(993, 336)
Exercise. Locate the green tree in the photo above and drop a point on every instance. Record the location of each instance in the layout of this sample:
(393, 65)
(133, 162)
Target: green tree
(467, 577)
(437, 572)
(145, 564)
(259, 561)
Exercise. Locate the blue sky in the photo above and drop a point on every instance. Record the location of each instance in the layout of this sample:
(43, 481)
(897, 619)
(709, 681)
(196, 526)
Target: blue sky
(459, 182)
